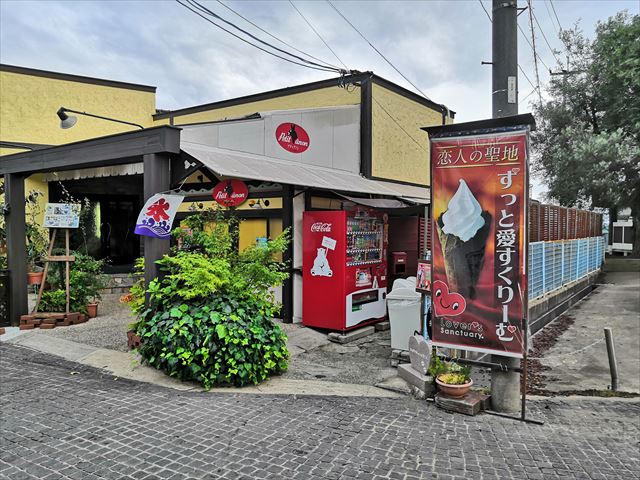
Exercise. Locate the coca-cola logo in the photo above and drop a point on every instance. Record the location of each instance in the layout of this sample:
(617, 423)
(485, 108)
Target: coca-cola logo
(230, 193)
(321, 227)
(292, 137)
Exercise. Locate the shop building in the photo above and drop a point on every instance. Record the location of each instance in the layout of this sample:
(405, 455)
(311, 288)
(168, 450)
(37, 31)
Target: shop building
(326, 145)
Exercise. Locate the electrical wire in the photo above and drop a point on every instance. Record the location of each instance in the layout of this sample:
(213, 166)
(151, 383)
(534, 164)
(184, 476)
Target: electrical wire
(273, 36)
(398, 123)
(556, 14)
(306, 63)
(542, 32)
(377, 51)
(535, 57)
(528, 95)
(317, 33)
(486, 11)
(532, 49)
(546, 6)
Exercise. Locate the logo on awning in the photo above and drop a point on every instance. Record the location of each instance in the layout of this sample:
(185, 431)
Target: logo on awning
(293, 138)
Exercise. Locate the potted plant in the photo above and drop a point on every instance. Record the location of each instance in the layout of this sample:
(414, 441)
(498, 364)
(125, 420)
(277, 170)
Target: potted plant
(455, 380)
(36, 240)
(86, 281)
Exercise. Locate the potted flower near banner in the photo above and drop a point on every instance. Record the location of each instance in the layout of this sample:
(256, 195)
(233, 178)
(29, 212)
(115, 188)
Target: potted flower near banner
(86, 282)
(454, 380)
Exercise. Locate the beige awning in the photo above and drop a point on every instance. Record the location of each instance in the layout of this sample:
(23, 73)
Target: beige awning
(231, 163)
(98, 172)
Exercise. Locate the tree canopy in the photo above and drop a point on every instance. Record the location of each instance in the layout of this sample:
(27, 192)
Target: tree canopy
(586, 147)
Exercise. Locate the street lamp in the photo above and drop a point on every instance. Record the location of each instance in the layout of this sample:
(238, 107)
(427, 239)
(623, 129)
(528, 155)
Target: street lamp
(68, 121)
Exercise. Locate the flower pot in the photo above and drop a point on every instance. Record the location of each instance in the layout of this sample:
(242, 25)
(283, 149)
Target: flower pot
(92, 310)
(34, 278)
(455, 391)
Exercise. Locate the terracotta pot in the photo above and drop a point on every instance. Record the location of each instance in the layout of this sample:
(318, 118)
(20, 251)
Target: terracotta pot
(92, 310)
(455, 391)
(34, 278)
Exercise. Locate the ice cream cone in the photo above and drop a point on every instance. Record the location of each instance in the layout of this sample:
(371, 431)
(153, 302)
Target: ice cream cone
(463, 261)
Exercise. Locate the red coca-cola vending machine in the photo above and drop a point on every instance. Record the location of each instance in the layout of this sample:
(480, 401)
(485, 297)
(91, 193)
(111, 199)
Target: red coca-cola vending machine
(344, 268)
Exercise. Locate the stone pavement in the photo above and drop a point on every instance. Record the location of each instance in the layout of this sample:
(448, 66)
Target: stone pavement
(616, 304)
(65, 420)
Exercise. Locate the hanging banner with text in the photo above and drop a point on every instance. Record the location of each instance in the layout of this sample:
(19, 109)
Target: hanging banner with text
(156, 217)
(479, 205)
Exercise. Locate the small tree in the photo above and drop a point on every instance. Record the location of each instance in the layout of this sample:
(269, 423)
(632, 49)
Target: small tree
(586, 147)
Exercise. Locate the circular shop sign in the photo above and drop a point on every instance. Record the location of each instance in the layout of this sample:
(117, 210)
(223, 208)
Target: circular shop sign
(293, 138)
(230, 193)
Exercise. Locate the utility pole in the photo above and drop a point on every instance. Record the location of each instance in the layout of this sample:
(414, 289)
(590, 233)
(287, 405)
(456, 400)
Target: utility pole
(505, 386)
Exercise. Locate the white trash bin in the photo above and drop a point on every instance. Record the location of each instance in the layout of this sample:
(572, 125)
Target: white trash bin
(404, 314)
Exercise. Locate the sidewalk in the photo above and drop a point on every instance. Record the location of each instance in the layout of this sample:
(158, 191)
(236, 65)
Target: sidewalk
(616, 304)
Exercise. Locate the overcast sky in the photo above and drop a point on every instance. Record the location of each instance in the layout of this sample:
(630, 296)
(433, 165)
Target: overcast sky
(438, 45)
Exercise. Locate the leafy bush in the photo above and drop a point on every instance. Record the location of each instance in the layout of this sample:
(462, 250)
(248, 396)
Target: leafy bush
(53, 301)
(210, 315)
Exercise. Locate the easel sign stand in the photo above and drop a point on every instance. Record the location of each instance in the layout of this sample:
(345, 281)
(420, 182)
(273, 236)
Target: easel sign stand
(479, 218)
(67, 258)
(59, 216)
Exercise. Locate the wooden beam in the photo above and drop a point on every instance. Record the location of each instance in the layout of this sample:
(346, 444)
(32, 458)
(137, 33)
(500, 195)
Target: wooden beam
(157, 179)
(98, 152)
(16, 246)
(60, 258)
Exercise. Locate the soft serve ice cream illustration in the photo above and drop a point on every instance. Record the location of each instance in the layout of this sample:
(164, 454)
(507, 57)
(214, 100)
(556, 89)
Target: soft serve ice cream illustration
(463, 217)
(463, 230)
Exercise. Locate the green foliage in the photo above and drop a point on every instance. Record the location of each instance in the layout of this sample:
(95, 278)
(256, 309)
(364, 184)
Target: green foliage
(586, 147)
(85, 282)
(53, 301)
(210, 316)
(137, 291)
(450, 370)
(222, 340)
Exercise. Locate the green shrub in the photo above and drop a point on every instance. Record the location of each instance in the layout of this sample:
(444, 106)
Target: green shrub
(453, 378)
(210, 316)
(53, 301)
(217, 341)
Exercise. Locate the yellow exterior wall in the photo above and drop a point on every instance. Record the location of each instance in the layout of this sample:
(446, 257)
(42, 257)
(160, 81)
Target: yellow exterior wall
(29, 104)
(325, 97)
(396, 156)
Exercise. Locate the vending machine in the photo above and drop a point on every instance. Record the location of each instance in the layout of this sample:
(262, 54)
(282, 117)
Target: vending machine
(344, 268)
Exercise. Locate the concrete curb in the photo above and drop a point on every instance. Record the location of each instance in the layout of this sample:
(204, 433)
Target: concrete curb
(127, 365)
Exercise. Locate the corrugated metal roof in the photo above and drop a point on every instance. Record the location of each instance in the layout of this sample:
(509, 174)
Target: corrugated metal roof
(230, 163)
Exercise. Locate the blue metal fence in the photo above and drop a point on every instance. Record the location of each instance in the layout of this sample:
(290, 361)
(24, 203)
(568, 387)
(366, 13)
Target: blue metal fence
(555, 264)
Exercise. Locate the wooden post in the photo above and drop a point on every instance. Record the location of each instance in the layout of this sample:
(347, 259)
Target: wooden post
(46, 269)
(66, 266)
(16, 245)
(156, 179)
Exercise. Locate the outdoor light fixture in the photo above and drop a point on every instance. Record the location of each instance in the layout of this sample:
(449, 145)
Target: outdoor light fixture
(68, 121)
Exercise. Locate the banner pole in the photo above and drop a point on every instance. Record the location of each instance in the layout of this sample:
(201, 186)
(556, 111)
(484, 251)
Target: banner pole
(524, 367)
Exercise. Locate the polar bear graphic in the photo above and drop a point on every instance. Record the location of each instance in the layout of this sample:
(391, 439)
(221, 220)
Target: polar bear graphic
(321, 266)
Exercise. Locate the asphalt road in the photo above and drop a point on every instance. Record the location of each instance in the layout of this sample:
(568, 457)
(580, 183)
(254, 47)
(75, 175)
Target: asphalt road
(64, 420)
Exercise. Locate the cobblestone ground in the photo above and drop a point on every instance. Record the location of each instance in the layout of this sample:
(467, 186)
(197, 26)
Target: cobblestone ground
(64, 420)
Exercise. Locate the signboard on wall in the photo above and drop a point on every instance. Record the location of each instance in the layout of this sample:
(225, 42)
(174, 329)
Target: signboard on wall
(292, 137)
(62, 215)
(230, 193)
(479, 201)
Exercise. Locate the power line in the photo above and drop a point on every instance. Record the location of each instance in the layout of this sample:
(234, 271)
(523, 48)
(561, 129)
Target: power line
(556, 14)
(318, 34)
(378, 51)
(527, 77)
(191, 4)
(532, 49)
(273, 36)
(542, 32)
(486, 11)
(546, 6)
(397, 123)
(533, 41)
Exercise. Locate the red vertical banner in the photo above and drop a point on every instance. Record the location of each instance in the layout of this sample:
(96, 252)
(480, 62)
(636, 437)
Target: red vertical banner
(479, 218)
